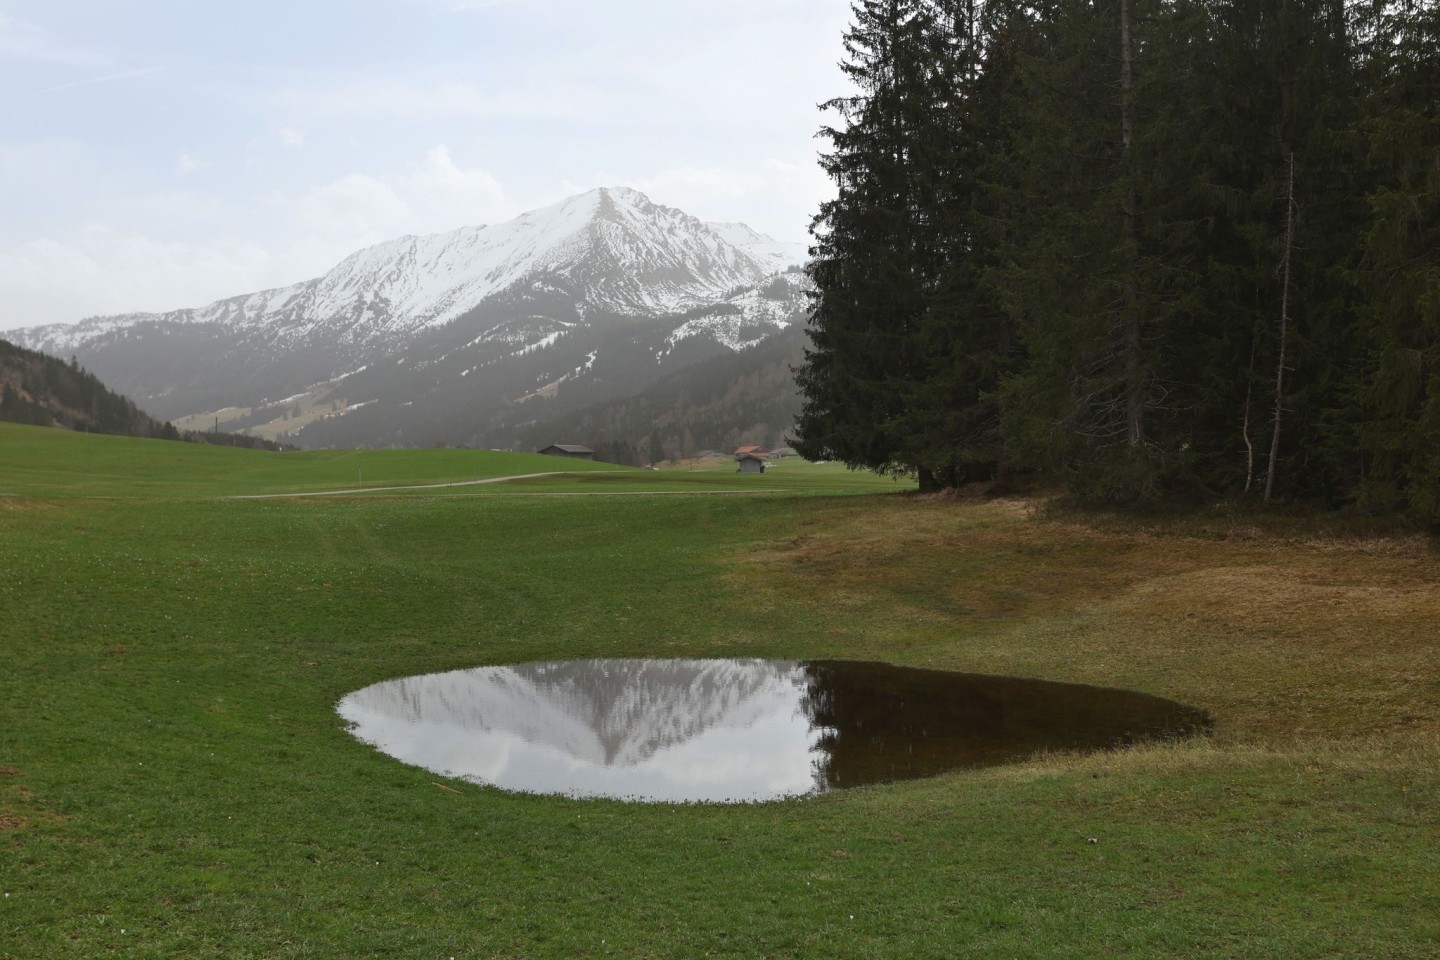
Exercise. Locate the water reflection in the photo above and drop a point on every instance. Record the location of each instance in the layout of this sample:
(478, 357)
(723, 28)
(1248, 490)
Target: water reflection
(735, 730)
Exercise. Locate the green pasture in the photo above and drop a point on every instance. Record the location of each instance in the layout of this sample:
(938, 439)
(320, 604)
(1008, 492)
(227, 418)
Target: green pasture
(48, 463)
(174, 781)
(57, 463)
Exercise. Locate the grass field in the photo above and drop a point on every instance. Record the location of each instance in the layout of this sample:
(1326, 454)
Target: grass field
(174, 781)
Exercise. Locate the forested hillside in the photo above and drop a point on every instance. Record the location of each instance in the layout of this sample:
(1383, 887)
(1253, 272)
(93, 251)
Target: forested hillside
(43, 391)
(721, 403)
(1148, 248)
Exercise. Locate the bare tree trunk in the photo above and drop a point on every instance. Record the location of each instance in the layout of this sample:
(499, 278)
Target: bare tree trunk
(964, 26)
(1134, 371)
(1284, 323)
(971, 55)
(1245, 425)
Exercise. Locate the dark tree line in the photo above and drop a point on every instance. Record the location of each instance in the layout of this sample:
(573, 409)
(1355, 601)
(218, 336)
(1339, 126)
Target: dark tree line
(1149, 248)
(44, 391)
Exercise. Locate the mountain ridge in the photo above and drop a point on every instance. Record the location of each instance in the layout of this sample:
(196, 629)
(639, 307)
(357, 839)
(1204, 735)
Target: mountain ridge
(481, 317)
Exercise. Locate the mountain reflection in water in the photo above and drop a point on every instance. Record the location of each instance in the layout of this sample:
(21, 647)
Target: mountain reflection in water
(735, 730)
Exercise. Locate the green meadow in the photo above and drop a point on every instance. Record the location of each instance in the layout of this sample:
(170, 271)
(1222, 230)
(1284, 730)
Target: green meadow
(174, 781)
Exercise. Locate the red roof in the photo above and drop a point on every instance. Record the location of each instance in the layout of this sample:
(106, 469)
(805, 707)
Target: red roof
(751, 448)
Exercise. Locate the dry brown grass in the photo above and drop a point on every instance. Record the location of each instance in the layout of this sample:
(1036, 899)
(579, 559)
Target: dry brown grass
(13, 505)
(19, 807)
(1286, 638)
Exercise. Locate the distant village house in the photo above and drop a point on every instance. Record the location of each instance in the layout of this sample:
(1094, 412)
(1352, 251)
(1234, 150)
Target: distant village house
(572, 450)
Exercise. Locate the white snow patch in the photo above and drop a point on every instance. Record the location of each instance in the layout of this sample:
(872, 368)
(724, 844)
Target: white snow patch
(542, 343)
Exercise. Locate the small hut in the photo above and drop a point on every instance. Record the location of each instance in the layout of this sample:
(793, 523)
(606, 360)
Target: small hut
(571, 450)
(749, 463)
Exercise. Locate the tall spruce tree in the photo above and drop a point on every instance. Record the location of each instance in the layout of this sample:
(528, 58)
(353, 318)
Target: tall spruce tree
(1391, 421)
(968, 341)
(879, 245)
(1083, 280)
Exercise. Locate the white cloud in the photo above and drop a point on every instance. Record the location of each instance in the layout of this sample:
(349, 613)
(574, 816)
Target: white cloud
(431, 196)
(357, 205)
(108, 78)
(188, 164)
(291, 137)
(99, 270)
(460, 6)
(21, 40)
(419, 99)
(443, 193)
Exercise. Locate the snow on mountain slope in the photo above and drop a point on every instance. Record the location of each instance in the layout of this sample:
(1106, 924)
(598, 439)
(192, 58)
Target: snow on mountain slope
(278, 307)
(776, 254)
(744, 319)
(613, 249)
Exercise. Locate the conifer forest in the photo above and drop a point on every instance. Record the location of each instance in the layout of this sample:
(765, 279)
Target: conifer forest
(1143, 249)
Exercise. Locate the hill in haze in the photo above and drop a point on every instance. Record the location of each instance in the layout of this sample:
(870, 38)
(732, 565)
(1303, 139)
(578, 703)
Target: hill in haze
(44, 391)
(719, 403)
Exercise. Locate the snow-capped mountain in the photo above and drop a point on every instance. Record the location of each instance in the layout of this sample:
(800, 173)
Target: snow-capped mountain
(612, 248)
(477, 305)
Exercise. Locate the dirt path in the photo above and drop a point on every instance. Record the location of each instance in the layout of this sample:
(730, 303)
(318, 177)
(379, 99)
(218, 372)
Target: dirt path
(518, 476)
(421, 486)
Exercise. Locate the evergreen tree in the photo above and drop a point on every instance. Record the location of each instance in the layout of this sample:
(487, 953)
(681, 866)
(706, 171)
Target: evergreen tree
(1086, 276)
(878, 248)
(1391, 421)
(967, 341)
(1149, 248)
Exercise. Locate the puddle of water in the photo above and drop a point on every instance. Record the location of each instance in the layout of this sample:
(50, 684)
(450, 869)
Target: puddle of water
(736, 730)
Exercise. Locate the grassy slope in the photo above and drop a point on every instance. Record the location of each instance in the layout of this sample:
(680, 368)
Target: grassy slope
(172, 766)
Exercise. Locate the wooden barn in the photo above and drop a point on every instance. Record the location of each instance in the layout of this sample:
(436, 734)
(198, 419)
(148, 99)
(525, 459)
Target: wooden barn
(571, 450)
(749, 463)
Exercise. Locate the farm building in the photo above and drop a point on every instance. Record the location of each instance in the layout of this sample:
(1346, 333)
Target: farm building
(750, 463)
(572, 450)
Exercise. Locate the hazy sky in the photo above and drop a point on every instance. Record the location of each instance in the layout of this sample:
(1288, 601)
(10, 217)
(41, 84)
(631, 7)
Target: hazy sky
(157, 154)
